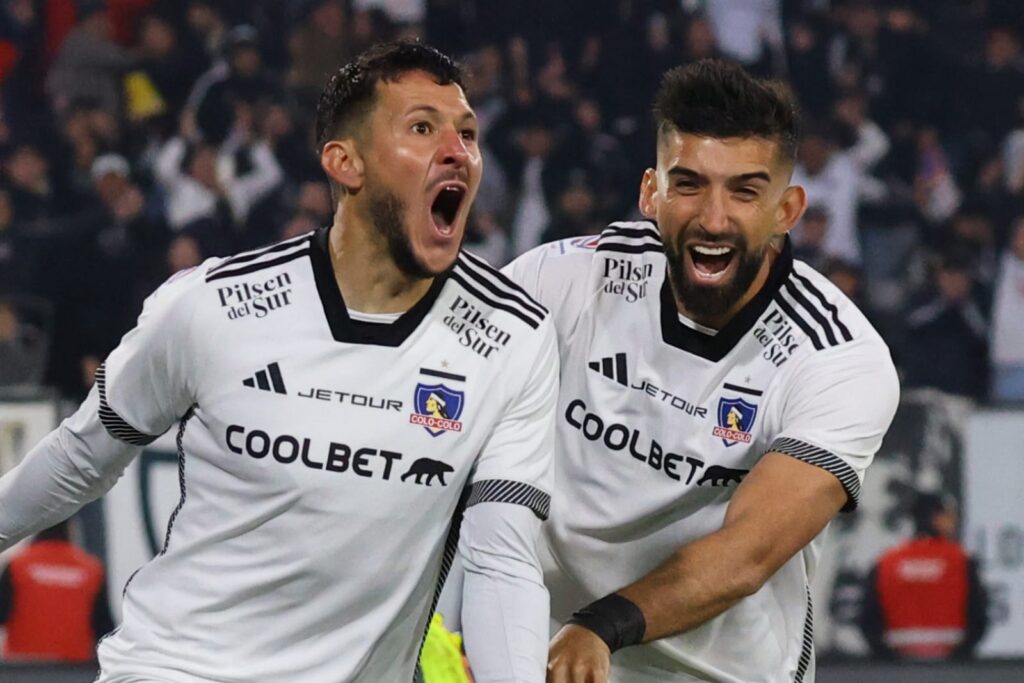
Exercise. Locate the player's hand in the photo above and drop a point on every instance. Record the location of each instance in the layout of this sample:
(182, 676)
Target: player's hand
(577, 655)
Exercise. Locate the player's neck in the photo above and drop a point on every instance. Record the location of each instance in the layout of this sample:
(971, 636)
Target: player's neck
(718, 322)
(367, 276)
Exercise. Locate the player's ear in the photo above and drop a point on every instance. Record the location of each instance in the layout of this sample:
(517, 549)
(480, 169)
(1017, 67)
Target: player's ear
(648, 188)
(343, 164)
(791, 208)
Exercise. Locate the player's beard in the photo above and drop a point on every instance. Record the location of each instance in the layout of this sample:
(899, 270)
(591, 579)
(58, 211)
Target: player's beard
(710, 302)
(386, 211)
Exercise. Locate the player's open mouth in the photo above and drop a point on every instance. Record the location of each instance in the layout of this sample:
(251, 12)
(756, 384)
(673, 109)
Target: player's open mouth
(711, 263)
(445, 207)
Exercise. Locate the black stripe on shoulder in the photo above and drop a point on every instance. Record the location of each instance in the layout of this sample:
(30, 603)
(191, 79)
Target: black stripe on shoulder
(802, 300)
(827, 461)
(457, 274)
(515, 492)
(829, 306)
(116, 425)
(615, 230)
(247, 256)
(801, 323)
(630, 248)
(259, 265)
(491, 278)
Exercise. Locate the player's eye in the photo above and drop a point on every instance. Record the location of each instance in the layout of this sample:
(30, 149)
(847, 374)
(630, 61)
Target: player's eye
(686, 185)
(746, 193)
(468, 134)
(422, 128)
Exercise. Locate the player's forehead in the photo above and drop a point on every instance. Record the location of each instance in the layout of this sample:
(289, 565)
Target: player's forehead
(721, 158)
(419, 91)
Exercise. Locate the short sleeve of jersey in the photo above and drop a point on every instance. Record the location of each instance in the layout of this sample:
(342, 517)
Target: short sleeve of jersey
(144, 384)
(838, 405)
(515, 464)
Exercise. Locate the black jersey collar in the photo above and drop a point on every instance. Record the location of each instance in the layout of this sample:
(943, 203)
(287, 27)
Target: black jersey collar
(715, 347)
(343, 327)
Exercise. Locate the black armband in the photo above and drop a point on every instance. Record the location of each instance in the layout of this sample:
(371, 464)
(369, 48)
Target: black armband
(614, 619)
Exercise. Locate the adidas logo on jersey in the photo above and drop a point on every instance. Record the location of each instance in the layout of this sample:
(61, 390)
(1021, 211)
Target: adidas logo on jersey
(268, 379)
(612, 367)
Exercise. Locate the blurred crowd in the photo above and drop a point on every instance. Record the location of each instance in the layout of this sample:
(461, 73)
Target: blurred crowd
(138, 137)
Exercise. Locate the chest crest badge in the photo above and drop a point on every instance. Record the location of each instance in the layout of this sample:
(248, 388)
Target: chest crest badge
(735, 420)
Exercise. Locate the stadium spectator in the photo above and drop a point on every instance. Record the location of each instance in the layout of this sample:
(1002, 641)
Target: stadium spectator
(53, 600)
(236, 83)
(23, 349)
(1008, 321)
(204, 182)
(90, 64)
(749, 32)
(316, 46)
(947, 332)
(924, 599)
(809, 239)
(832, 180)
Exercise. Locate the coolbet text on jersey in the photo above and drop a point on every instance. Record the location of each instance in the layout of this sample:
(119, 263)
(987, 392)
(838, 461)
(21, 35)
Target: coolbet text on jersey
(659, 420)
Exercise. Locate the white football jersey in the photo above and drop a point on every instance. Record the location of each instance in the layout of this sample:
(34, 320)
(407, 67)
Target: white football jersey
(322, 460)
(659, 421)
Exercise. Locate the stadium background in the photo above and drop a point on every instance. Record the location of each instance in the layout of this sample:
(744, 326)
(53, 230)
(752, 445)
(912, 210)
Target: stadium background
(139, 136)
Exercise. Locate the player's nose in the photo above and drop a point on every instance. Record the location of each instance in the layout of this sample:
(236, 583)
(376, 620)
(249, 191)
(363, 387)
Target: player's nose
(713, 214)
(452, 148)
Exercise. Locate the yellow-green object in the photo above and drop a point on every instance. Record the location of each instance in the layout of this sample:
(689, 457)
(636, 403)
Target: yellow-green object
(142, 99)
(441, 660)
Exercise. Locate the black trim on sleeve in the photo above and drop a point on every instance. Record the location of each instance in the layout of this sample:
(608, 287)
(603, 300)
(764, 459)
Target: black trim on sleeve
(343, 328)
(116, 425)
(715, 347)
(516, 492)
(829, 462)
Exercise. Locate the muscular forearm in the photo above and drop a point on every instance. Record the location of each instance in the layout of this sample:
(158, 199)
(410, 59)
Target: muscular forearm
(697, 583)
(761, 532)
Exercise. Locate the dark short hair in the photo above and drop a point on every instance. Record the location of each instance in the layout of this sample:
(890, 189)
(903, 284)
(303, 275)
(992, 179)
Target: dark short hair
(350, 93)
(924, 509)
(719, 99)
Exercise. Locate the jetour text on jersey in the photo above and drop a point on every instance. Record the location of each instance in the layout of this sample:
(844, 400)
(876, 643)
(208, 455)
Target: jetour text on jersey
(619, 437)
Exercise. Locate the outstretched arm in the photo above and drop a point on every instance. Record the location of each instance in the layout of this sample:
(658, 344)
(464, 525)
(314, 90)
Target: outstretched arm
(73, 465)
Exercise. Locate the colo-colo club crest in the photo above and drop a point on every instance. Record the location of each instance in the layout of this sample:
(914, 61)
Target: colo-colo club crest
(735, 420)
(437, 408)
